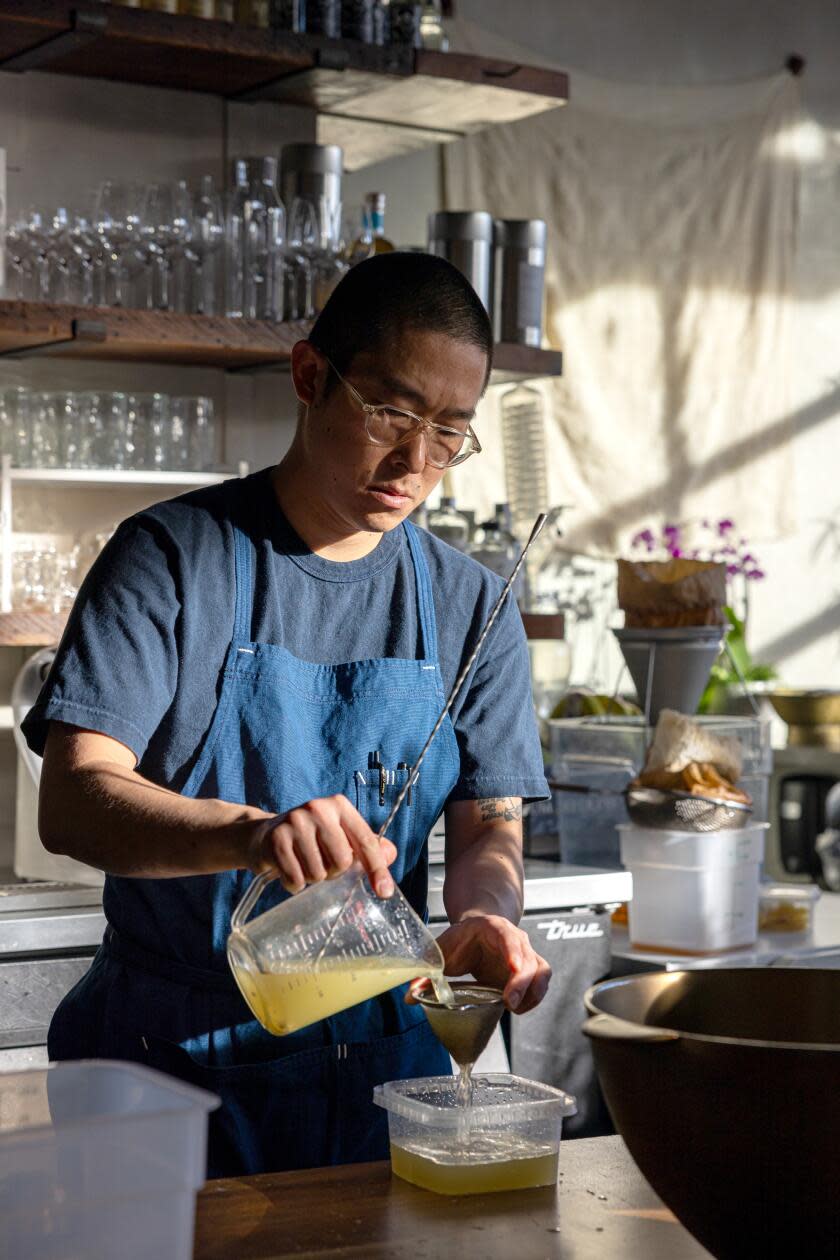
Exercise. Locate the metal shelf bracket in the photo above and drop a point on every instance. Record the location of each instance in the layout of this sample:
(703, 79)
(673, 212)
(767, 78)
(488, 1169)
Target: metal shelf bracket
(91, 330)
(86, 25)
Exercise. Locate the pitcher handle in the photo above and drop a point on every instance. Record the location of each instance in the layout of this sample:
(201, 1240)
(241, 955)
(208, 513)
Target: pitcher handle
(252, 896)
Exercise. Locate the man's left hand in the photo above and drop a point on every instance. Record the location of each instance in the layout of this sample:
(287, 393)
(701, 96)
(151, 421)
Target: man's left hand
(497, 953)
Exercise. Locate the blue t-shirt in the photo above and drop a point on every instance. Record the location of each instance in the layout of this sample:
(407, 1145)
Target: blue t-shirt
(142, 656)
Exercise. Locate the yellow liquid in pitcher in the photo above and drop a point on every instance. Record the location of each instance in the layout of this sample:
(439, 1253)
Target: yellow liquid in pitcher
(284, 1001)
(521, 1171)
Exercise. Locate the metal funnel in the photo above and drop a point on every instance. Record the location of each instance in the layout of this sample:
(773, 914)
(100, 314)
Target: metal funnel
(465, 1028)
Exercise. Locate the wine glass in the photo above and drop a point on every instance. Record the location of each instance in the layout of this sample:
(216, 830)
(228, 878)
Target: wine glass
(207, 234)
(117, 223)
(166, 232)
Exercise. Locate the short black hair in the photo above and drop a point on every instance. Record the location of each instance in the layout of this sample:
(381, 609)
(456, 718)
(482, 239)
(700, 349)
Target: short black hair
(390, 294)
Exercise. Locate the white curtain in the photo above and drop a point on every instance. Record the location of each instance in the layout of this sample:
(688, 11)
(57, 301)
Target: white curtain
(672, 220)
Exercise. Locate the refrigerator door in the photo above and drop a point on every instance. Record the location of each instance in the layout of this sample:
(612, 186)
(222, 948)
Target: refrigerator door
(547, 1044)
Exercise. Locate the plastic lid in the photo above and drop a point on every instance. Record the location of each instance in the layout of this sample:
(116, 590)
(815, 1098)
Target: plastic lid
(498, 1099)
(324, 159)
(789, 892)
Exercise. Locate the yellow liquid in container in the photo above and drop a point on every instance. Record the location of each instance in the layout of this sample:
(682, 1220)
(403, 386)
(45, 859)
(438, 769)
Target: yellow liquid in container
(519, 1171)
(284, 1001)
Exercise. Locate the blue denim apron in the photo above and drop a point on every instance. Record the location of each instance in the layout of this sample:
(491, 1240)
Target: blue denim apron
(159, 991)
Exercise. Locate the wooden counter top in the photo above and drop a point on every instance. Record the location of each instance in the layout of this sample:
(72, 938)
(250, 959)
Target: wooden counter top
(602, 1209)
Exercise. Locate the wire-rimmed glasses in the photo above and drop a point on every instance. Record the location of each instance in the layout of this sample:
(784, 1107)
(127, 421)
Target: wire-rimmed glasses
(392, 426)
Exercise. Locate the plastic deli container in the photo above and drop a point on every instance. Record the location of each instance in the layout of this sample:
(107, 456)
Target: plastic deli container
(100, 1159)
(787, 907)
(508, 1139)
(693, 892)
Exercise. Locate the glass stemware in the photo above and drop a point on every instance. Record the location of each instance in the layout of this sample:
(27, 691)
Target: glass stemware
(166, 233)
(118, 225)
(207, 234)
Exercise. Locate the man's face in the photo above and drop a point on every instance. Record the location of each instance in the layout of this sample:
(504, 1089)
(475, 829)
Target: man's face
(373, 488)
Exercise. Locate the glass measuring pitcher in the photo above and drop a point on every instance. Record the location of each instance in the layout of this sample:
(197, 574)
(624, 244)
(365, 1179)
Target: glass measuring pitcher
(326, 948)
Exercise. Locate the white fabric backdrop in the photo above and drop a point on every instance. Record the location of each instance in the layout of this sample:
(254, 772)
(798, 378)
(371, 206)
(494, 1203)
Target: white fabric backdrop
(672, 224)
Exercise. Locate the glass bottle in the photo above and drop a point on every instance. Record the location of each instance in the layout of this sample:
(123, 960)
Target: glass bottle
(495, 547)
(235, 242)
(447, 523)
(376, 212)
(372, 239)
(256, 228)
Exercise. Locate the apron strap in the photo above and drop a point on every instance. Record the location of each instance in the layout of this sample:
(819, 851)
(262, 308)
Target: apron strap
(425, 598)
(243, 556)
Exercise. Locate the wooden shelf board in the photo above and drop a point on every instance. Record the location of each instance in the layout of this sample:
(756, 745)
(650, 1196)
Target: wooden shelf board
(512, 362)
(158, 49)
(205, 340)
(399, 99)
(31, 629)
(148, 336)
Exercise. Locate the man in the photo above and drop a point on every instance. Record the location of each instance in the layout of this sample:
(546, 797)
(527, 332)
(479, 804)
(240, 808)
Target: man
(236, 662)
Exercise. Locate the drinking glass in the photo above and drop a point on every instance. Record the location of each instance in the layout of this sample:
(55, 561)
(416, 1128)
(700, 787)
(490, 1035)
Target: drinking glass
(118, 225)
(207, 234)
(90, 427)
(45, 441)
(202, 435)
(36, 238)
(86, 284)
(154, 421)
(178, 449)
(60, 255)
(113, 434)
(166, 232)
(17, 259)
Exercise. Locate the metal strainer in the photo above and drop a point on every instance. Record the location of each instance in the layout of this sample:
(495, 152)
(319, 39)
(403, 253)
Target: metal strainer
(663, 810)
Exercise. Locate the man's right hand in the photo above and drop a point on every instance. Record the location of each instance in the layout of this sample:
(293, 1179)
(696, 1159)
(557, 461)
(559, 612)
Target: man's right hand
(318, 841)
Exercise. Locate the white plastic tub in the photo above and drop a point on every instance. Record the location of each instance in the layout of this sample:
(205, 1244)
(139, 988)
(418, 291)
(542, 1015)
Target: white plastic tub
(693, 893)
(100, 1160)
(509, 1139)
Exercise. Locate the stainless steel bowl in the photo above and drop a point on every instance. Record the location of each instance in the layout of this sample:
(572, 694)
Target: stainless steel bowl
(725, 1085)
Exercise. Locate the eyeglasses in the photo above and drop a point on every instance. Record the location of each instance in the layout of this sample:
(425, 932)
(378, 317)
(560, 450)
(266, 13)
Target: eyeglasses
(391, 426)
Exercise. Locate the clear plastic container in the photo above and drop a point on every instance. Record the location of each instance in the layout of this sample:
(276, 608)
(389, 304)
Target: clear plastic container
(787, 907)
(509, 1139)
(695, 893)
(628, 738)
(100, 1159)
(649, 847)
(588, 825)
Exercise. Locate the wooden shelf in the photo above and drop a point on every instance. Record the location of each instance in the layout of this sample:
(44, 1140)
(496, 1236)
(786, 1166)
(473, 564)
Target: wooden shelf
(144, 336)
(108, 333)
(31, 629)
(512, 362)
(375, 102)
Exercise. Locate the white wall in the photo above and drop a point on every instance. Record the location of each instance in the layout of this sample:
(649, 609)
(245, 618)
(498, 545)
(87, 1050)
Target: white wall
(795, 620)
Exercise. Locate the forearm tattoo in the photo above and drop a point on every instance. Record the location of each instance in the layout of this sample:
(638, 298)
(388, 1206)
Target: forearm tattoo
(508, 808)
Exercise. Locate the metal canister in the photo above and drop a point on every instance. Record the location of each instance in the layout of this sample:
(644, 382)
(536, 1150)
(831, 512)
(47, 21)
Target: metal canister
(465, 238)
(311, 171)
(518, 280)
